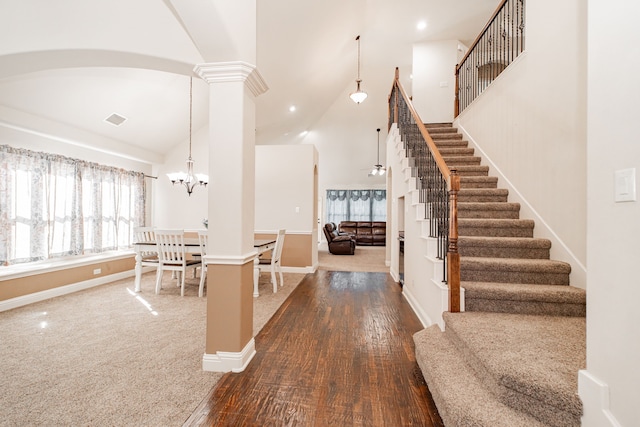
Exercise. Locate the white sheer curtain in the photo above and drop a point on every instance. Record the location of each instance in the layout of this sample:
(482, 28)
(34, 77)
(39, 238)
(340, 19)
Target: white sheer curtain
(356, 205)
(52, 206)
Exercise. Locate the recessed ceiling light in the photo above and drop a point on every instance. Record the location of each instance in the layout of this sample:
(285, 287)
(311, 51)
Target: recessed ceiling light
(292, 108)
(422, 25)
(304, 133)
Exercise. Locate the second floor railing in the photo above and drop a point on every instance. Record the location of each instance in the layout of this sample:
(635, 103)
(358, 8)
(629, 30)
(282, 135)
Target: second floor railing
(438, 186)
(499, 43)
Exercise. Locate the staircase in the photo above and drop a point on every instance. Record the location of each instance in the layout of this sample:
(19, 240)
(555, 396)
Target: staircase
(512, 358)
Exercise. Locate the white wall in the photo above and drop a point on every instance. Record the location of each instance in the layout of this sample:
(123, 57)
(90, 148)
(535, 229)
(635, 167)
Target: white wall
(346, 136)
(19, 129)
(172, 206)
(531, 128)
(284, 188)
(609, 386)
(434, 79)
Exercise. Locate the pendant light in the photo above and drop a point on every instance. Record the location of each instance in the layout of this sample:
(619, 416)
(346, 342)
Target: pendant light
(377, 168)
(189, 179)
(359, 95)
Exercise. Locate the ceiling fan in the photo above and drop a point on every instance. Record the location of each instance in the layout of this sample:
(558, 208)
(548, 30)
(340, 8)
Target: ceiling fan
(378, 169)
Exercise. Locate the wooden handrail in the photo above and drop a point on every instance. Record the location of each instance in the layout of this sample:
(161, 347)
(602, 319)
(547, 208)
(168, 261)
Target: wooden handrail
(442, 166)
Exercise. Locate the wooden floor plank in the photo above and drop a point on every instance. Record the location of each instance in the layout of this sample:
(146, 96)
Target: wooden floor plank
(338, 352)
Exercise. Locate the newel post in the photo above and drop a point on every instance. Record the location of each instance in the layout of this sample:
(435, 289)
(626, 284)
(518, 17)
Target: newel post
(453, 256)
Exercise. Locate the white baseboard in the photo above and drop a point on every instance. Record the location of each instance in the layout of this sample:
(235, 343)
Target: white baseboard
(224, 361)
(62, 290)
(595, 401)
(299, 270)
(422, 315)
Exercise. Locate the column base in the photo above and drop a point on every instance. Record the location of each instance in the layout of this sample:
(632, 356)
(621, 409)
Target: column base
(225, 361)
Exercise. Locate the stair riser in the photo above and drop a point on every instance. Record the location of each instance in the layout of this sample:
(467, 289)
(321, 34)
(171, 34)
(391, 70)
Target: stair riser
(462, 161)
(482, 198)
(541, 278)
(525, 307)
(472, 171)
(451, 144)
(488, 214)
(495, 232)
(478, 182)
(447, 136)
(456, 152)
(503, 252)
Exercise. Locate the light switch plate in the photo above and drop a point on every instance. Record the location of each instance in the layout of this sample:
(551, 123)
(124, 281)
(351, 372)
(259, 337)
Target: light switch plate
(625, 183)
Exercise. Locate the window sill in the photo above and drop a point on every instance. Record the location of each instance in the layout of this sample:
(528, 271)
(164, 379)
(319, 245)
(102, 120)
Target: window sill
(40, 267)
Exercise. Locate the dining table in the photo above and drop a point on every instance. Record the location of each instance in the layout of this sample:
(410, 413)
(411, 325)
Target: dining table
(192, 246)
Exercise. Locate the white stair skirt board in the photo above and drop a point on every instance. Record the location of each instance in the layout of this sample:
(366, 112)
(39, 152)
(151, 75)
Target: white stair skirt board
(225, 361)
(595, 397)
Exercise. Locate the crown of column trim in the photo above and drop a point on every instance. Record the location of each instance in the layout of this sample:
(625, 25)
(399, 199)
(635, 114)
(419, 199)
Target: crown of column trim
(235, 71)
(230, 260)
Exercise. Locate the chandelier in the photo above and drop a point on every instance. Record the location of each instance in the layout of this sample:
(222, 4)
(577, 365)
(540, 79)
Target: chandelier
(359, 95)
(189, 179)
(378, 169)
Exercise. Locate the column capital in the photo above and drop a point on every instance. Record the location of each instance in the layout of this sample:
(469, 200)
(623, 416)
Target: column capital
(233, 71)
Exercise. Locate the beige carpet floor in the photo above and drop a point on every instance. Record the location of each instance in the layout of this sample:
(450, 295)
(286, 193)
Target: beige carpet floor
(109, 357)
(366, 258)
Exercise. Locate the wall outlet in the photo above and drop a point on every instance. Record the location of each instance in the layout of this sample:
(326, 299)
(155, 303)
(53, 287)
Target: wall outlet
(97, 271)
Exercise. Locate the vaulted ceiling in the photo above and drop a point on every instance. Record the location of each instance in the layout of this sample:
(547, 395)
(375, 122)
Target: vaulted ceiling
(75, 62)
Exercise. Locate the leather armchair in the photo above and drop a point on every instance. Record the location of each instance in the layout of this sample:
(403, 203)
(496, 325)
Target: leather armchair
(339, 244)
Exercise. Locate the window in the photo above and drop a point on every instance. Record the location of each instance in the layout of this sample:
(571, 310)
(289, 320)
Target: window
(356, 205)
(53, 206)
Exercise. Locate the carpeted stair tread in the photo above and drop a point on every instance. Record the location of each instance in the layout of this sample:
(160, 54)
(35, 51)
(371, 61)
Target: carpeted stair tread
(450, 143)
(496, 344)
(495, 227)
(516, 264)
(497, 210)
(514, 270)
(467, 182)
(438, 125)
(482, 195)
(504, 247)
(456, 151)
(461, 398)
(461, 160)
(519, 298)
(441, 129)
(471, 170)
(436, 136)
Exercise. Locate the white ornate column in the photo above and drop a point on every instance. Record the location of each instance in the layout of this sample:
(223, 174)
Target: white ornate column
(233, 87)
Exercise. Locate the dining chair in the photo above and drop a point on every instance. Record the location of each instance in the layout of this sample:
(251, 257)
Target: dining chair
(148, 254)
(172, 256)
(203, 239)
(273, 263)
(198, 255)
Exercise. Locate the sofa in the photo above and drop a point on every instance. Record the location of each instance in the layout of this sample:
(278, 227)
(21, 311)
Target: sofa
(339, 244)
(367, 233)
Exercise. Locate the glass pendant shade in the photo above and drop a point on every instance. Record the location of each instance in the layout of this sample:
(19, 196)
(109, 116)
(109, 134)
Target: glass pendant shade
(359, 95)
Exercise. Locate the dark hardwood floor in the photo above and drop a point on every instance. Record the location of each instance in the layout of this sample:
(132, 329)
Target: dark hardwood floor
(338, 352)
